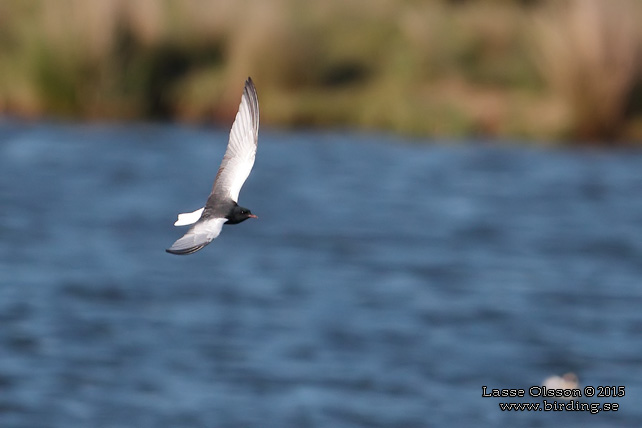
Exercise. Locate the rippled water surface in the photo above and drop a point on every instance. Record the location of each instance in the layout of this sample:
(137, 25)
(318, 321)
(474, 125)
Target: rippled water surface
(384, 283)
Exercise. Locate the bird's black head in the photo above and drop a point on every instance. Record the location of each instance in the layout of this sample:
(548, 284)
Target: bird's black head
(239, 214)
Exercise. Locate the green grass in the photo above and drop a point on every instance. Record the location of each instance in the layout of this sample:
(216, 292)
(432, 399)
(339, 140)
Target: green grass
(501, 68)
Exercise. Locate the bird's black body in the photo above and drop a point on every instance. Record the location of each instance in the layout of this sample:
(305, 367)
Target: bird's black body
(228, 209)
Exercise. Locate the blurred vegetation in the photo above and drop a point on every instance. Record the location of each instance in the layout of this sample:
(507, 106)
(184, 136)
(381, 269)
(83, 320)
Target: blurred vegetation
(547, 70)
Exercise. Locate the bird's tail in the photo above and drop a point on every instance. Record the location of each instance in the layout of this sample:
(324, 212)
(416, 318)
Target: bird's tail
(189, 218)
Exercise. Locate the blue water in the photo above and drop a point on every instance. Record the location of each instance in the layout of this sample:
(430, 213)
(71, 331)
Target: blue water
(383, 284)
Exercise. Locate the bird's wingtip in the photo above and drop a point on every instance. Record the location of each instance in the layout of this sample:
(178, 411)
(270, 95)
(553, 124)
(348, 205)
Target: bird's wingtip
(249, 84)
(184, 251)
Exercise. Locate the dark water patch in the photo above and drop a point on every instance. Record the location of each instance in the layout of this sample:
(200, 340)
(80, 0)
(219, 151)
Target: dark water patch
(382, 285)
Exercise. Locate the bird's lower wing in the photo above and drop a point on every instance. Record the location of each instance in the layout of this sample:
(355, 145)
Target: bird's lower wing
(199, 235)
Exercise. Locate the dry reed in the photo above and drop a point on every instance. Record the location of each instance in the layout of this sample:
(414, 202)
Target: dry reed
(588, 51)
(436, 67)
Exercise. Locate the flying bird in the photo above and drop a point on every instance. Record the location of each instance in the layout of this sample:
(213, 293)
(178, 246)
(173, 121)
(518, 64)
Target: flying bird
(221, 206)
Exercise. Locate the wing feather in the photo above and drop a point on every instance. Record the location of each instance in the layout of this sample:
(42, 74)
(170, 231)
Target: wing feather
(241, 148)
(198, 236)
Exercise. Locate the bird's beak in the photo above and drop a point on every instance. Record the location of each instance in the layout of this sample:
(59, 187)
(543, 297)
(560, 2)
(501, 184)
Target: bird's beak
(252, 216)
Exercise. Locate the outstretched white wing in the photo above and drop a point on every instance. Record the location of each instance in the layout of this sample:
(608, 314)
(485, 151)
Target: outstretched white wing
(199, 235)
(241, 149)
